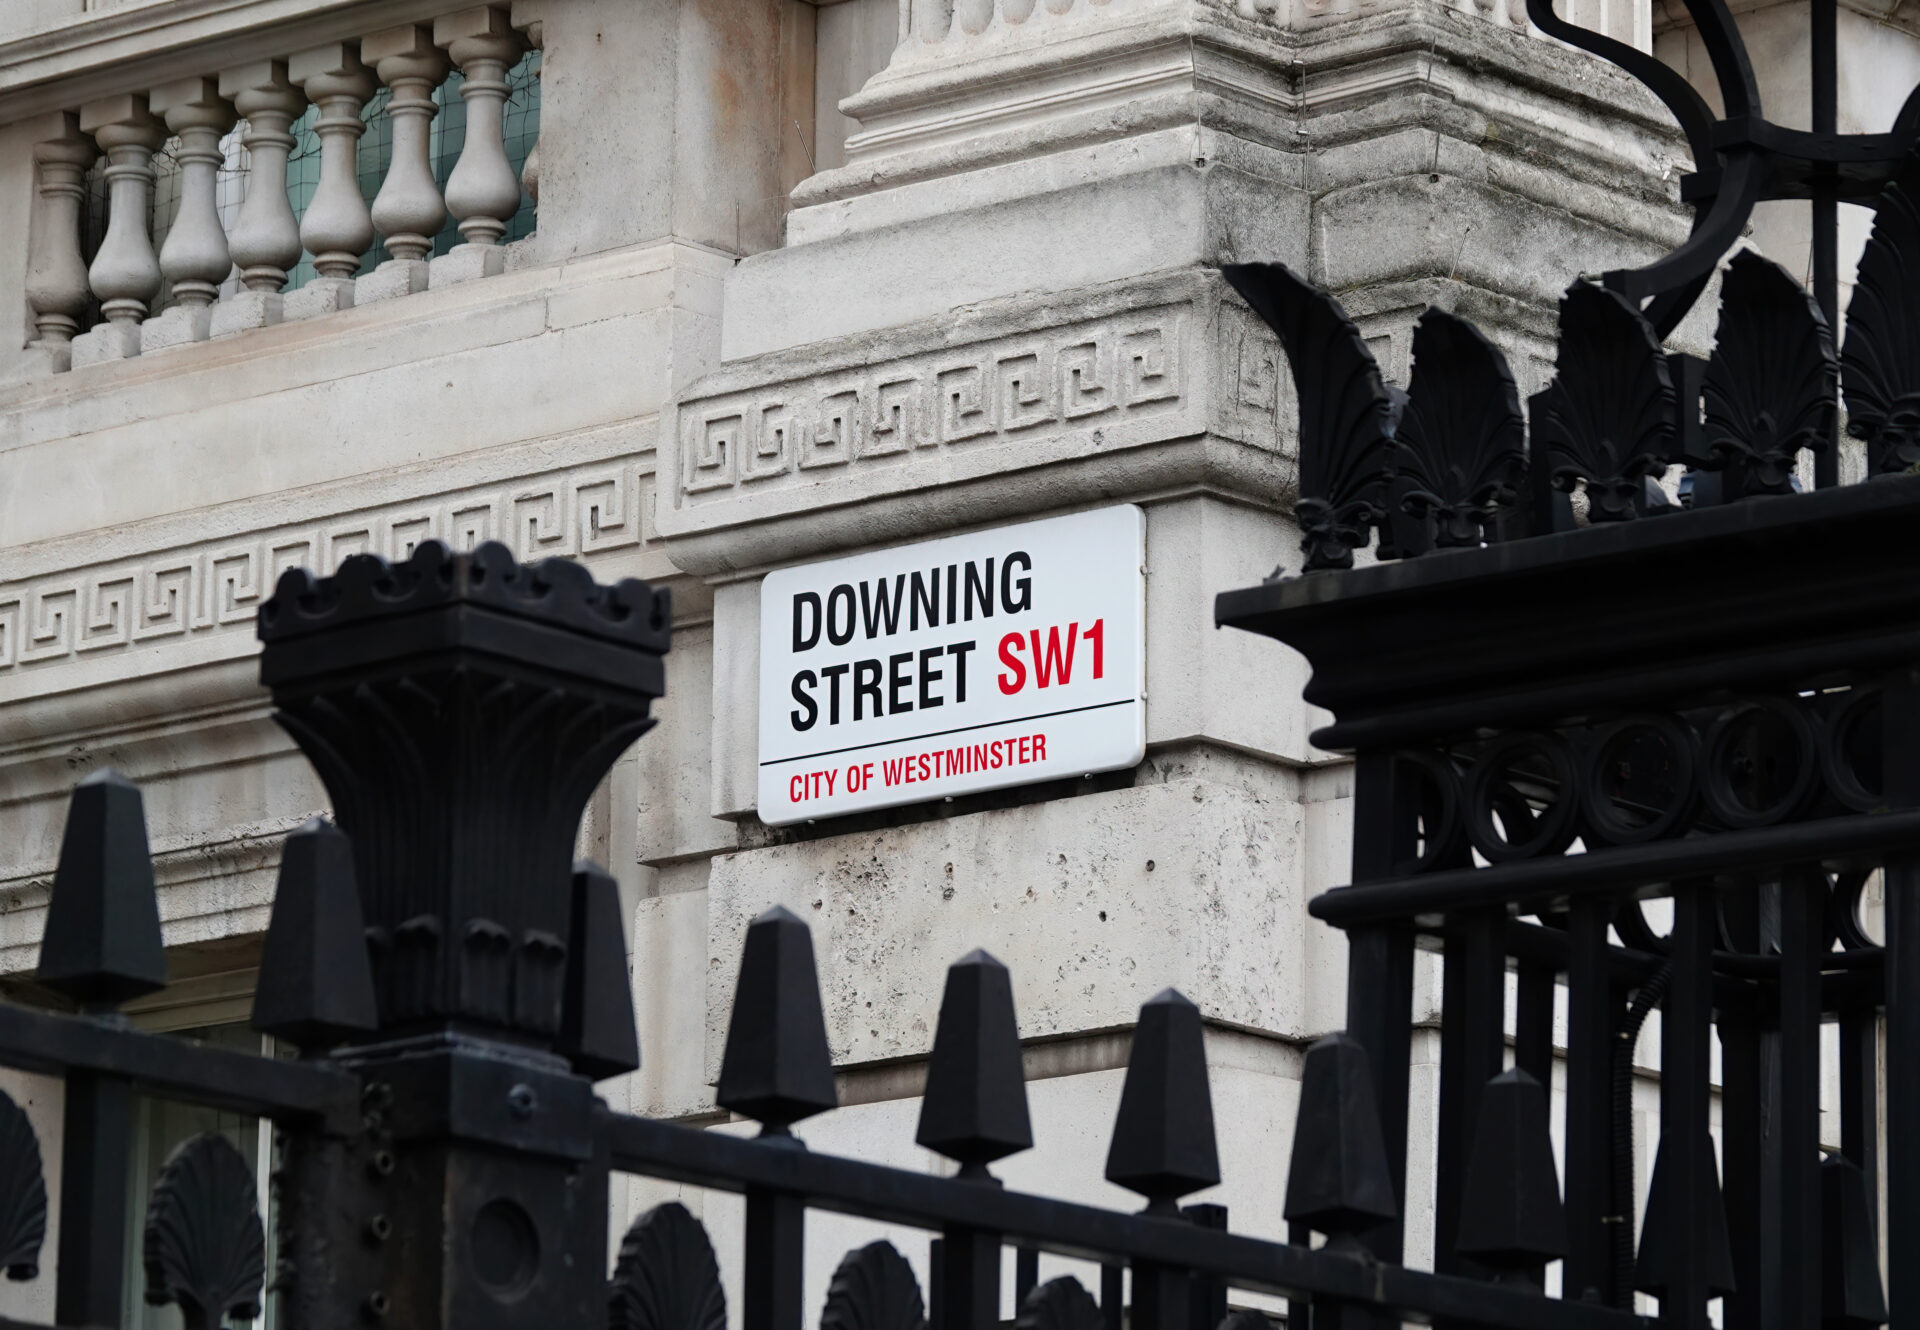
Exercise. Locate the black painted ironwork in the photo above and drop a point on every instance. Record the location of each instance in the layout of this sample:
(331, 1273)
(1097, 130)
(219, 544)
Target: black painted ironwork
(1568, 695)
(441, 1157)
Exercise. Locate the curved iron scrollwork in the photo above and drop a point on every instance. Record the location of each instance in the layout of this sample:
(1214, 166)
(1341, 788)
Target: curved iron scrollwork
(1753, 761)
(23, 1185)
(666, 1277)
(205, 1247)
(874, 1289)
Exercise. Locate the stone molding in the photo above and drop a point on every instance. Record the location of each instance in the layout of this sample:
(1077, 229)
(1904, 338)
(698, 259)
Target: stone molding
(1113, 69)
(130, 49)
(137, 614)
(840, 443)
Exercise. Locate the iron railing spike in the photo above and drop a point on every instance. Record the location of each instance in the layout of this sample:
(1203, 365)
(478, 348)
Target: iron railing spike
(1851, 1295)
(1337, 1182)
(102, 943)
(1163, 1144)
(974, 1109)
(597, 1031)
(316, 982)
(777, 1069)
(1511, 1216)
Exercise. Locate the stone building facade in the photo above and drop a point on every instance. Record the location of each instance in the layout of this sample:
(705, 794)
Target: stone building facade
(775, 283)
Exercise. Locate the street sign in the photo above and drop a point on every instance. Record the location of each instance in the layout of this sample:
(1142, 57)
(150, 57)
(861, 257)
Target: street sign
(996, 658)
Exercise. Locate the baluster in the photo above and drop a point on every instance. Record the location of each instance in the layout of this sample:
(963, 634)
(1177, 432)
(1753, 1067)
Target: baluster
(125, 275)
(337, 227)
(1511, 1220)
(1338, 1180)
(194, 257)
(407, 210)
(265, 239)
(56, 274)
(101, 948)
(776, 1070)
(482, 192)
(536, 35)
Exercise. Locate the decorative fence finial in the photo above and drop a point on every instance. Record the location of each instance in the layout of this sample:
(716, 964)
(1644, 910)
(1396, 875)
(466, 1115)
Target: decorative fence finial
(1347, 415)
(460, 709)
(1337, 1181)
(974, 1109)
(1880, 365)
(1769, 388)
(777, 1069)
(1163, 1144)
(316, 985)
(1511, 1218)
(102, 943)
(597, 1032)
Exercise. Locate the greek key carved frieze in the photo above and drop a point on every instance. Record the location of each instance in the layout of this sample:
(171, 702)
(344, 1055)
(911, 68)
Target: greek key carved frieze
(192, 590)
(992, 392)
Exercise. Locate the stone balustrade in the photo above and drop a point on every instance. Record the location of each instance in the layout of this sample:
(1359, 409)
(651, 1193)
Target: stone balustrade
(192, 119)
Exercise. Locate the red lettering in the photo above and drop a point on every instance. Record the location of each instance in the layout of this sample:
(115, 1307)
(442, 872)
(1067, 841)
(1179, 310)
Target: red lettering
(1098, 636)
(1009, 656)
(1040, 740)
(830, 775)
(891, 767)
(1025, 747)
(796, 792)
(1051, 665)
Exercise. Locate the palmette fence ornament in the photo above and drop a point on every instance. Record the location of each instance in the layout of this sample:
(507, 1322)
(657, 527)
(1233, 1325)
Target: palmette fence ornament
(1447, 464)
(205, 1247)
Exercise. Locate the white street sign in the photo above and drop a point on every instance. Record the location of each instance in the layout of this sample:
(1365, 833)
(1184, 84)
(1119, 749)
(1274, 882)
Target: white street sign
(979, 661)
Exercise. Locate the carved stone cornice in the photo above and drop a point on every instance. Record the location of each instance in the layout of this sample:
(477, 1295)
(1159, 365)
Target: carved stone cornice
(130, 49)
(1018, 406)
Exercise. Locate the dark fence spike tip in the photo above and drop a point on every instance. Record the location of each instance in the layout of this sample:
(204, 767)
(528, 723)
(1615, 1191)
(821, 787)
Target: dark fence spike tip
(597, 1031)
(1337, 1181)
(1511, 1217)
(1662, 1250)
(1851, 1296)
(102, 943)
(316, 981)
(974, 1109)
(777, 1069)
(1163, 1145)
